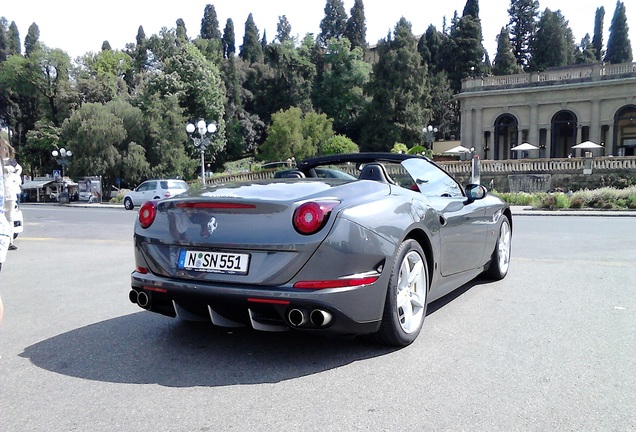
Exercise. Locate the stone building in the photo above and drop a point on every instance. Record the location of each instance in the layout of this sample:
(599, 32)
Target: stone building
(553, 110)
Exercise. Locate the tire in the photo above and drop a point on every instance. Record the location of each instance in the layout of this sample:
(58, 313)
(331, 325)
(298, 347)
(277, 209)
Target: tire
(500, 259)
(405, 304)
(128, 204)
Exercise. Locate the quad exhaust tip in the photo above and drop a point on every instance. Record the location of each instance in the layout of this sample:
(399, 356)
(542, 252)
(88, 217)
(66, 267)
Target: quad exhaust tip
(298, 317)
(140, 298)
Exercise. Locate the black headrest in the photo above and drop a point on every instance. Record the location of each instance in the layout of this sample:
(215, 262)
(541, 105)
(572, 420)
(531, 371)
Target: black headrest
(374, 171)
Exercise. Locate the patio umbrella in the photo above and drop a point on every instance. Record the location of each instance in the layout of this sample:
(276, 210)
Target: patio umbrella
(587, 145)
(524, 147)
(458, 149)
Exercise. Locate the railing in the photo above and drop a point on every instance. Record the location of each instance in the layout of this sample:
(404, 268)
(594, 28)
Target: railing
(511, 166)
(626, 163)
(591, 72)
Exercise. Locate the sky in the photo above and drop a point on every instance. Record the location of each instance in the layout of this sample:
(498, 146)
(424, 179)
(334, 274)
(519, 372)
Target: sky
(80, 26)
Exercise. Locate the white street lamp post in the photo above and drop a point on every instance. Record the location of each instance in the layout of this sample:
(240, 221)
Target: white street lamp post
(62, 158)
(429, 135)
(202, 141)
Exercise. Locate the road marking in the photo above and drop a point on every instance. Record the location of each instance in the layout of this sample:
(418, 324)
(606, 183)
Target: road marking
(72, 239)
(582, 262)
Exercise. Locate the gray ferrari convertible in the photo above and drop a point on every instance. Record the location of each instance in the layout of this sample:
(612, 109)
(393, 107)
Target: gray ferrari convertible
(349, 244)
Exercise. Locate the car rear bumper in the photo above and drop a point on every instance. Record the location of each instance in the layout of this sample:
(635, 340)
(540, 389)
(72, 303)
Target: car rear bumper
(262, 308)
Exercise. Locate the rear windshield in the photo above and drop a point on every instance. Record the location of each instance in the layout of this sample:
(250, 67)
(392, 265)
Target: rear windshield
(173, 184)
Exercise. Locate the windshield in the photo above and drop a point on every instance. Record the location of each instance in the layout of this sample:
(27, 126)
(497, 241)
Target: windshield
(431, 180)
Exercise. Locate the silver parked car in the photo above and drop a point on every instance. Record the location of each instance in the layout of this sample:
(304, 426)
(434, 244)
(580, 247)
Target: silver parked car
(153, 190)
(362, 253)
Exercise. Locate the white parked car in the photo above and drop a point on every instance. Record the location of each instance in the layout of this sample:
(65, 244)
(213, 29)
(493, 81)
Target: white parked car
(154, 189)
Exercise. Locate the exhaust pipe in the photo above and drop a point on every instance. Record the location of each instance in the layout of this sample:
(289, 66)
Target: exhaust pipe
(132, 295)
(320, 318)
(297, 317)
(143, 300)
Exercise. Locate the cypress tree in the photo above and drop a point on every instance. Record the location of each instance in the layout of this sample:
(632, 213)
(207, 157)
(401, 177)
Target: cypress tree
(140, 55)
(3, 41)
(597, 40)
(356, 30)
(523, 15)
(32, 39)
(334, 24)
(553, 45)
(505, 61)
(251, 50)
(13, 40)
(471, 8)
(586, 52)
(465, 50)
(182, 32)
(399, 91)
(210, 24)
(229, 39)
(619, 48)
(283, 29)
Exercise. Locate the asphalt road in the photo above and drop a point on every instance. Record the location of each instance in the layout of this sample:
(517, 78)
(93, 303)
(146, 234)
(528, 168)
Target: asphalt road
(551, 347)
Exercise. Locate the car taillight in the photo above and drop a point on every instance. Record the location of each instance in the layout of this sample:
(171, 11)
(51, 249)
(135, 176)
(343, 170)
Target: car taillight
(147, 213)
(311, 216)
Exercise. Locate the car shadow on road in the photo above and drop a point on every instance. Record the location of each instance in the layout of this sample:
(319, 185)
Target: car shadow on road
(144, 348)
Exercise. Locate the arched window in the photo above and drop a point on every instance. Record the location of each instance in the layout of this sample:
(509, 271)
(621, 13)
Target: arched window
(624, 132)
(563, 134)
(506, 127)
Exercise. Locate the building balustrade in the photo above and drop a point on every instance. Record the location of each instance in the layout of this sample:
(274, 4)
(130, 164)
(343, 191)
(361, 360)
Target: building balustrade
(591, 72)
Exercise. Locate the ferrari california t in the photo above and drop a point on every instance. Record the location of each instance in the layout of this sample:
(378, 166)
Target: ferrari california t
(361, 250)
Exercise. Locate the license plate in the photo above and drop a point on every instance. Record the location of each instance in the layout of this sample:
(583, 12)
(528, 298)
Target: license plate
(216, 262)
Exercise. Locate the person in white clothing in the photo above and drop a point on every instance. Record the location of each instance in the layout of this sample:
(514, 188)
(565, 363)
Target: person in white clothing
(12, 189)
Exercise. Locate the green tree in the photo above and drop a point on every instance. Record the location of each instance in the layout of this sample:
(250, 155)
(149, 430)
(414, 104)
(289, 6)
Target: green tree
(106, 46)
(505, 61)
(32, 39)
(182, 32)
(291, 79)
(356, 29)
(210, 24)
(553, 45)
(36, 154)
(334, 24)
(95, 134)
(399, 92)
(471, 8)
(13, 43)
(339, 144)
(166, 146)
(285, 137)
(597, 39)
(229, 39)
(283, 30)
(619, 48)
(103, 77)
(435, 42)
(466, 51)
(585, 51)
(340, 92)
(21, 105)
(523, 16)
(251, 50)
(444, 108)
(3, 40)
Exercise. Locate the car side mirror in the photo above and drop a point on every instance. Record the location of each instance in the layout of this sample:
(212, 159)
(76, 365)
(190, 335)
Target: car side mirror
(475, 192)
